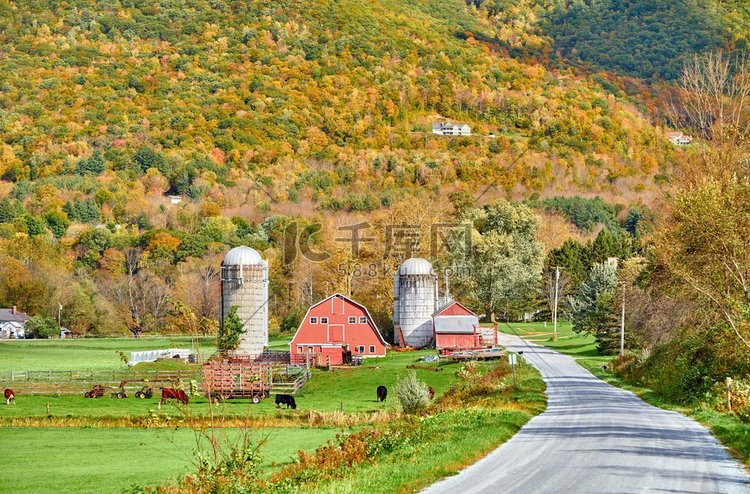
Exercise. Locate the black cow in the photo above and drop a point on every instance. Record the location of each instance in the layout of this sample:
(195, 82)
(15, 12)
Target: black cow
(382, 393)
(287, 400)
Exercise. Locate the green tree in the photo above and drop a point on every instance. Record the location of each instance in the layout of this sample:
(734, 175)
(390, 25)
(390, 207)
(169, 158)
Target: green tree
(42, 327)
(592, 308)
(230, 331)
(58, 222)
(504, 263)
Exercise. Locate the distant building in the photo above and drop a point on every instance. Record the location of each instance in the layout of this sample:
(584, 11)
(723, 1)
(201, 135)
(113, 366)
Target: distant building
(679, 139)
(13, 323)
(335, 329)
(174, 200)
(450, 129)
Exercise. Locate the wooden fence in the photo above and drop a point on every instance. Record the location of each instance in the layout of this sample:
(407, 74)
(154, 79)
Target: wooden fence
(78, 382)
(286, 379)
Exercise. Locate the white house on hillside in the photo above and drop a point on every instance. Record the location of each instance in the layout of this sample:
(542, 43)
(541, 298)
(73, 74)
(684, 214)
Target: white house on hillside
(679, 139)
(13, 323)
(450, 129)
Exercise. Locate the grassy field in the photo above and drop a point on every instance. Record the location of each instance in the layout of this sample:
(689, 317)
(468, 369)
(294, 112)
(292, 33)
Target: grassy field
(96, 460)
(448, 440)
(348, 390)
(84, 353)
(90, 443)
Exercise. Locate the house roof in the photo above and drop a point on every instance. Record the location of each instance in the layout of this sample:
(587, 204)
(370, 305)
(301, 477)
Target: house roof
(455, 324)
(462, 310)
(7, 315)
(338, 295)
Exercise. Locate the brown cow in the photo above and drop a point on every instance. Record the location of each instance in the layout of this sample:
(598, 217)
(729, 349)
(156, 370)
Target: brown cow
(177, 394)
(10, 396)
(431, 392)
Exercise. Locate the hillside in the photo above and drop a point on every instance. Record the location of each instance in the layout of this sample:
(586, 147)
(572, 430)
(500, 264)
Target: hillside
(644, 39)
(301, 96)
(258, 115)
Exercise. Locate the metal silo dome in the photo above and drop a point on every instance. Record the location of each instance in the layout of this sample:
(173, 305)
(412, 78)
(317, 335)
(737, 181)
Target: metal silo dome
(415, 266)
(243, 256)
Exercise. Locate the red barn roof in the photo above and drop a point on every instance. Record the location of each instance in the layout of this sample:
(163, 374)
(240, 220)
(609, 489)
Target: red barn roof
(454, 309)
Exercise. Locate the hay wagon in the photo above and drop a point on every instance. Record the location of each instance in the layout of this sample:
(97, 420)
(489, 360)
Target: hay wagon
(228, 379)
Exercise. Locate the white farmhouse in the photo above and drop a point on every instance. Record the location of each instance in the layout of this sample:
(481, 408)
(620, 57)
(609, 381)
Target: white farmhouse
(679, 139)
(13, 323)
(450, 129)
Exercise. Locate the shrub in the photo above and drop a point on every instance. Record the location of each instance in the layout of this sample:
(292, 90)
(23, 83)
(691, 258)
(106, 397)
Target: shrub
(717, 398)
(412, 394)
(42, 327)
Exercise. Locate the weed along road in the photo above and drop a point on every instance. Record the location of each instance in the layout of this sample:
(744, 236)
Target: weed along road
(596, 438)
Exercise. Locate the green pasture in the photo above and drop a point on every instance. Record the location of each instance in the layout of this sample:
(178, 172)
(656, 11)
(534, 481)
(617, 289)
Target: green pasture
(85, 353)
(351, 390)
(96, 460)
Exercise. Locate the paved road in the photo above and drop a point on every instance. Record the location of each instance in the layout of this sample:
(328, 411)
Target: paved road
(595, 438)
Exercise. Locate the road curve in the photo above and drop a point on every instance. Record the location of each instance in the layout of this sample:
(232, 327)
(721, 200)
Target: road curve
(596, 438)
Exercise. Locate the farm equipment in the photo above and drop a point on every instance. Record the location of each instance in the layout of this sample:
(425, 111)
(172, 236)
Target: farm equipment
(145, 392)
(96, 392)
(226, 379)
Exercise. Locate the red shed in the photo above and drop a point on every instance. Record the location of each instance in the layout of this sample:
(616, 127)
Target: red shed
(333, 326)
(456, 328)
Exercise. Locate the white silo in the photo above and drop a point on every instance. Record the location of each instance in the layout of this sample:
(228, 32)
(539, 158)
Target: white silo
(414, 301)
(244, 283)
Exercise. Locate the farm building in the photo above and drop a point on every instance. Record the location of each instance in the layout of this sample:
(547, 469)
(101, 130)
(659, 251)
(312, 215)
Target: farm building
(244, 284)
(13, 323)
(332, 328)
(415, 298)
(457, 328)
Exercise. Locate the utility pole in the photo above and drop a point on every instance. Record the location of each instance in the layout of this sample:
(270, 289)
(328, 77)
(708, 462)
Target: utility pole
(622, 323)
(554, 309)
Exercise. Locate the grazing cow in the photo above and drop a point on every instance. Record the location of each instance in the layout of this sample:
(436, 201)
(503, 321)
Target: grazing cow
(10, 396)
(382, 392)
(431, 392)
(177, 394)
(287, 400)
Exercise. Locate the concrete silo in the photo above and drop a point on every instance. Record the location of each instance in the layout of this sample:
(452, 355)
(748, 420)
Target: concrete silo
(415, 292)
(244, 283)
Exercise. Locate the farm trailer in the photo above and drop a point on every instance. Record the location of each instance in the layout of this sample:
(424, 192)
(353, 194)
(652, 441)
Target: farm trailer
(227, 379)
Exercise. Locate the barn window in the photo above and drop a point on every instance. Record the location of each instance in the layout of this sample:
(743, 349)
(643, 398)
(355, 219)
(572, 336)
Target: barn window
(313, 320)
(361, 349)
(363, 320)
(372, 348)
(352, 319)
(323, 320)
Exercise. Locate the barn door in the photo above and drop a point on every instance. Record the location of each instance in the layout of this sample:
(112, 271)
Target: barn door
(336, 332)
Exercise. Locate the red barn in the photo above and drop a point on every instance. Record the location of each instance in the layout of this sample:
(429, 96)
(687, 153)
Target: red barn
(456, 328)
(333, 326)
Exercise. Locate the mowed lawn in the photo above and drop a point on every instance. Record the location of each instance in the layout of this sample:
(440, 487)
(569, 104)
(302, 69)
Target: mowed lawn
(85, 353)
(96, 460)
